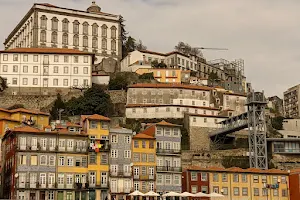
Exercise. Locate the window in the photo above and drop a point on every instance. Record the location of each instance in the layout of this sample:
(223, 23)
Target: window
(263, 179)
(215, 177)
(66, 59)
(65, 25)
(245, 191)
(193, 176)
(204, 189)
(75, 82)
(52, 160)
(264, 191)
(5, 57)
(76, 40)
(151, 158)
(113, 45)
(93, 158)
(104, 30)
(77, 162)
(114, 153)
(244, 178)
(43, 22)
(66, 82)
(151, 144)
(136, 157)
(55, 69)
(224, 177)
(104, 159)
(25, 81)
(4, 68)
(236, 191)
(33, 160)
(54, 37)
(22, 159)
(168, 180)
(69, 179)
(256, 191)
(69, 161)
(104, 43)
(15, 68)
(136, 144)
(43, 178)
(235, 178)
(65, 39)
(203, 176)
(85, 28)
(95, 42)
(159, 180)
(75, 26)
(194, 189)
(284, 192)
(54, 23)
(85, 41)
(14, 81)
(127, 154)
(35, 69)
(55, 82)
(205, 120)
(56, 58)
(114, 139)
(275, 192)
(144, 157)
(283, 179)
(75, 59)
(113, 32)
(127, 139)
(145, 110)
(225, 190)
(43, 36)
(75, 70)
(159, 131)
(255, 179)
(25, 58)
(143, 144)
(35, 58)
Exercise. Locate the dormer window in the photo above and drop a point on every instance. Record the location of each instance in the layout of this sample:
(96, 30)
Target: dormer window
(72, 129)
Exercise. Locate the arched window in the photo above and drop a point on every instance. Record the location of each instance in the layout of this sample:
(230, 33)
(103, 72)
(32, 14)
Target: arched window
(113, 32)
(104, 30)
(76, 40)
(43, 36)
(43, 22)
(54, 37)
(54, 24)
(85, 28)
(85, 41)
(76, 27)
(95, 29)
(104, 43)
(65, 25)
(113, 45)
(65, 38)
(95, 42)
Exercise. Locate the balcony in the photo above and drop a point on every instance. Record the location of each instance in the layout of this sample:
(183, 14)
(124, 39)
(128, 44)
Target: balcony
(100, 146)
(143, 177)
(168, 151)
(168, 169)
(120, 174)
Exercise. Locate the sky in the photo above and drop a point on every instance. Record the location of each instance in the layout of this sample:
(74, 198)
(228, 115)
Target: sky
(265, 34)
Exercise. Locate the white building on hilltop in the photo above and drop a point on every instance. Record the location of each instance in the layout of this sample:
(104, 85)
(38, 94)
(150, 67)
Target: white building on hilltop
(45, 70)
(46, 25)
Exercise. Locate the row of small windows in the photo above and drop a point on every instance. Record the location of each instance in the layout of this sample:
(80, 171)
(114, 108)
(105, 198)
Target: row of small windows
(85, 40)
(46, 58)
(85, 27)
(56, 82)
(46, 69)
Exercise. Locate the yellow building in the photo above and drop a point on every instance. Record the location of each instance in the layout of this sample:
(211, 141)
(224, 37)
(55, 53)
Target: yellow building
(163, 75)
(144, 162)
(97, 128)
(30, 117)
(241, 184)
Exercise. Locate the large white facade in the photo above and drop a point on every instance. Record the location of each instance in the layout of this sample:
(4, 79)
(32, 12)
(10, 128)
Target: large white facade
(46, 25)
(37, 68)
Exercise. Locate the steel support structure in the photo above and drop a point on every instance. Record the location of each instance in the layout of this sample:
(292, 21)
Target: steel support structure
(256, 103)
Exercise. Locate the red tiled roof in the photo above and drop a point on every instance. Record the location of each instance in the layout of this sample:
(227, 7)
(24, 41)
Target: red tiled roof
(164, 123)
(94, 117)
(23, 110)
(27, 129)
(169, 85)
(46, 51)
(149, 131)
(4, 110)
(168, 105)
(143, 136)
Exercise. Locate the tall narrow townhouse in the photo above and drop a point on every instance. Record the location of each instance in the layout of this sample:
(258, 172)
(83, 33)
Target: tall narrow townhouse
(168, 156)
(72, 168)
(144, 162)
(120, 163)
(97, 128)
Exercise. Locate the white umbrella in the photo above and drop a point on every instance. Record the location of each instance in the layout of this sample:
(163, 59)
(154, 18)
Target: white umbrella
(151, 194)
(200, 194)
(215, 195)
(171, 194)
(136, 193)
(187, 194)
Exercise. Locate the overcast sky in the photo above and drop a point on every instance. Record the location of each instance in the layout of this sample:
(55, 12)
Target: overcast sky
(266, 34)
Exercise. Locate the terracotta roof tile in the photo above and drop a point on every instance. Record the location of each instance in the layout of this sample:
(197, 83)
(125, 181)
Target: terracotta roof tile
(143, 136)
(149, 131)
(4, 110)
(94, 117)
(46, 51)
(170, 85)
(27, 129)
(164, 123)
(23, 110)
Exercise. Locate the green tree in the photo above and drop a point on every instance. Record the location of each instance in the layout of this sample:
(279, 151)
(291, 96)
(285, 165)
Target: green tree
(3, 84)
(129, 45)
(148, 76)
(119, 82)
(277, 122)
(123, 36)
(139, 46)
(93, 101)
(57, 106)
(16, 106)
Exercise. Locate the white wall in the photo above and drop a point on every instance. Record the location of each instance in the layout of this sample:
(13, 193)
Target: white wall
(83, 75)
(161, 112)
(201, 121)
(101, 80)
(234, 102)
(191, 102)
(291, 124)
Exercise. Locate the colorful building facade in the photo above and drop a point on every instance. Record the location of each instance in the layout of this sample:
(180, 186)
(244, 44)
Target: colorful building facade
(144, 162)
